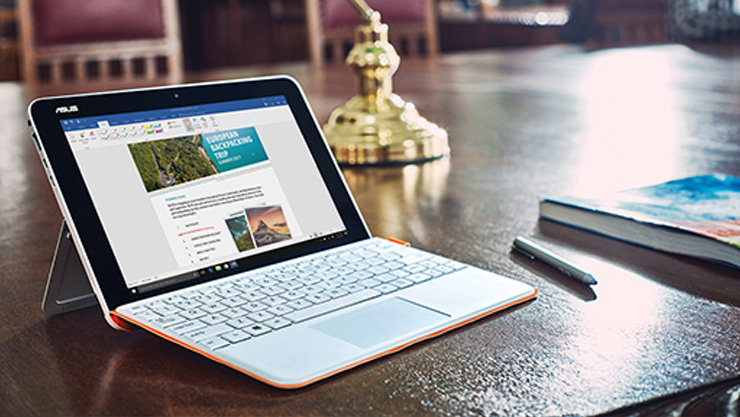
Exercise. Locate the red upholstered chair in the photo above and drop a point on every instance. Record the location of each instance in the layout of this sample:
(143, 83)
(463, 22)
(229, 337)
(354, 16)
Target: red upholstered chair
(331, 23)
(81, 45)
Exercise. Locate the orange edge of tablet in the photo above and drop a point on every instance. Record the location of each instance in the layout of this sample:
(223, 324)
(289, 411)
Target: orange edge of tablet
(338, 370)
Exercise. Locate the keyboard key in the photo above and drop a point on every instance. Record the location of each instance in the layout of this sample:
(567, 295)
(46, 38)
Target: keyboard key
(208, 290)
(234, 301)
(402, 283)
(164, 310)
(254, 295)
(299, 304)
(361, 275)
(429, 264)
(393, 265)
(190, 294)
(385, 277)
(207, 298)
(236, 336)
(186, 304)
(347, 279)
(414, 268)
(412, 257)
(354, 287)
(239, 323)
(293, 295)
(235, 312)
(168, 321)
(445, 269)
(257, 329)
(215, 343)
(254, 306)
(345, 270)
(277, 323)
(275, 290)
(291, 285)
(336, 261)
(418, 277)
(364, 253)
(434, 272)
(273, 301)
(350, 258)
(173, 299)
(313, 289)
(188, 326)
(323, 275)
(208, 332)
(336, 292)
(145, 314)
(265, 282)
(318, 298)
(212, 319)
(328, 285)
(260, 316)
(309, 280)
(279, 310)
(250, 287)
(375, 261)
(454, 264)
(193, 313)
(228, 292)
(361, 265)
(213, 308)
(377, 270)
(369, 283)
(157, 303)
(386, 288)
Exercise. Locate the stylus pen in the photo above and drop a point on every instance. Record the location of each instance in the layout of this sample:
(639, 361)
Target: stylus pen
(535, 251)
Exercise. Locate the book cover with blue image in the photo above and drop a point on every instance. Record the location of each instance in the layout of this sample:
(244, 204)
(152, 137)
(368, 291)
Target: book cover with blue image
(663, 216)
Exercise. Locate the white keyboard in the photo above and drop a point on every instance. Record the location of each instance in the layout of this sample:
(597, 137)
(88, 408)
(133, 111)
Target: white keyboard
(252, 304)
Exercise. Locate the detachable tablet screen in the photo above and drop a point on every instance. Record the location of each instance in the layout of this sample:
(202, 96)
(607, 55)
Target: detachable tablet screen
(186, 194)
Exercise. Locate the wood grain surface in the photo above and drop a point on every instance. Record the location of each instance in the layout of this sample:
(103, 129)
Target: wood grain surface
(523, 123)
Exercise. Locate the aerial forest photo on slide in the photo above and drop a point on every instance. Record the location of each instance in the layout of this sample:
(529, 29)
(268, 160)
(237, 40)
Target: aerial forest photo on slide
(167, 162)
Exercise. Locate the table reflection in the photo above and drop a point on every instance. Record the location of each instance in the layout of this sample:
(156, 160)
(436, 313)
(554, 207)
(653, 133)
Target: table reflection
(396, 195)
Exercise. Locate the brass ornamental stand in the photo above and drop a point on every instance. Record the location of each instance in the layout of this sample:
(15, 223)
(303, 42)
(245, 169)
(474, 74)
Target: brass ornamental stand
(376, 126)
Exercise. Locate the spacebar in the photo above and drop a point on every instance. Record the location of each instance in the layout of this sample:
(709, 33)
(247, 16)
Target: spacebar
(333, 305)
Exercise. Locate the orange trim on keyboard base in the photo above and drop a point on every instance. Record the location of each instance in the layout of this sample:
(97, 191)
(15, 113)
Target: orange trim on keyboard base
(399, 241)
(338, 370)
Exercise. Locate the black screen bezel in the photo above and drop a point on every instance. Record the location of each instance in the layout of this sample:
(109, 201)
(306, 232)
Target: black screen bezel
(84, 218)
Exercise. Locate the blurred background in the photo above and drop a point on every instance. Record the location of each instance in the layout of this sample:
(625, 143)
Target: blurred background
(76, 45)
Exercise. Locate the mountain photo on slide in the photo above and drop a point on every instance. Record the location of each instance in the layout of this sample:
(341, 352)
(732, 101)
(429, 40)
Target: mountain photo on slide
(268, 225)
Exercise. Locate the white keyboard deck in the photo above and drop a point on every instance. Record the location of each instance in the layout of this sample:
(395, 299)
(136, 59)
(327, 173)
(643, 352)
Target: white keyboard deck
(252, 304)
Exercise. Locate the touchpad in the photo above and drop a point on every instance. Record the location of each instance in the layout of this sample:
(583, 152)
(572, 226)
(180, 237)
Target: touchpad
(381, 322)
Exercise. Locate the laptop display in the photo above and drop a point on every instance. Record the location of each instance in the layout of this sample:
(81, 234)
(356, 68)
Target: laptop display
(205, 187)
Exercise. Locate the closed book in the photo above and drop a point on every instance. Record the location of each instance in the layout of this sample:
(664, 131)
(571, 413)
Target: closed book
(696, 216)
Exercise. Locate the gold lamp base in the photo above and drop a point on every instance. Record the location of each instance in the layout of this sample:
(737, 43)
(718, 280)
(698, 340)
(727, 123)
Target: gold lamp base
(378, 127)
(394, 134)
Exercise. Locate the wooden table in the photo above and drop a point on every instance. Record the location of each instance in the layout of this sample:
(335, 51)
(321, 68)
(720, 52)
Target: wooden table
(523, 124)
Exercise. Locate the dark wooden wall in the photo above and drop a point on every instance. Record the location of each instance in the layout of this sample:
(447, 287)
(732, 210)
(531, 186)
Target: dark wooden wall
(222, 33)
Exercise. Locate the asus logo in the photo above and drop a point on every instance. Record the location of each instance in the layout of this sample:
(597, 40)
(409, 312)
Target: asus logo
(67, 109)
